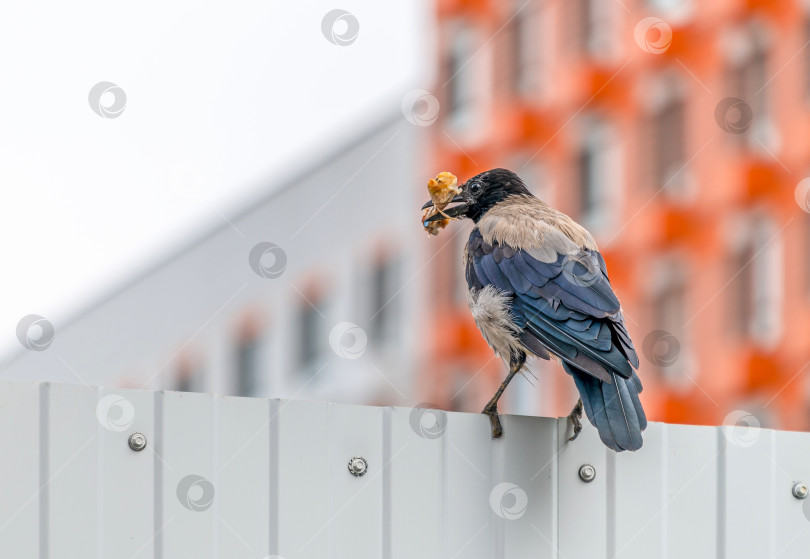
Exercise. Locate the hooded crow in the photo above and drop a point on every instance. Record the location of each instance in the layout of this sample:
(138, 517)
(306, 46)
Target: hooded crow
(537, 285)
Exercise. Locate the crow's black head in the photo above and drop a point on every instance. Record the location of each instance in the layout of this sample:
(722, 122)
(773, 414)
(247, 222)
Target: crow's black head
(482, 192)
(488, 188)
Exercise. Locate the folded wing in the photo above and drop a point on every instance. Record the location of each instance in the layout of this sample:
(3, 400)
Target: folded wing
(562, 301)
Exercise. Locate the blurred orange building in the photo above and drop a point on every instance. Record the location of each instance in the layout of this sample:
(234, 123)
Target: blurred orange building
(678, 132)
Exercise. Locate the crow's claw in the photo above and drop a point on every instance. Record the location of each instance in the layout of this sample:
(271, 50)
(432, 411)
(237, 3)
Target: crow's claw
(575, 416)
(495, 421)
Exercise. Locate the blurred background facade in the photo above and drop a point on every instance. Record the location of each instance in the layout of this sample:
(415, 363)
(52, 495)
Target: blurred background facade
(302, 294)
(617, 113)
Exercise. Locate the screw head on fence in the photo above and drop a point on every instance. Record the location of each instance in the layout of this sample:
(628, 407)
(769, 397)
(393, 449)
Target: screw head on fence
(358, 466)
(137, 441)
(587, 473)
(800, 490)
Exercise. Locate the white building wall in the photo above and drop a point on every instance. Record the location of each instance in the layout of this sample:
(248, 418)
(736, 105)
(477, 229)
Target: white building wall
(330, 220)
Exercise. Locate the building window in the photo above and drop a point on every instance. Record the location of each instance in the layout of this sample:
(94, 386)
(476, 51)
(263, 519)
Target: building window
(665, 137)
(184, 384)
(597, 170)
(740, 265)
(805, 249)
(588, 177)
(748, 81)
(757, 264)
(521, 61)
(806, 56)
(767, 283)
(582, 27)
(668, 144)
(311, 335)
(187, 378)
(385, 283)
(248, 366)
(460, 85)
(669, 307)
(592, 27)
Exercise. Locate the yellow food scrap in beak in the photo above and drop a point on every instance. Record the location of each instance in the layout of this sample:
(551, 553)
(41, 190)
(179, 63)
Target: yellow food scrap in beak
(433, 227)
(442, 189)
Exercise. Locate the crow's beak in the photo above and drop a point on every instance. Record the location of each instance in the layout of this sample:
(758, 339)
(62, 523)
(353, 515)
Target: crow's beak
(451, 211)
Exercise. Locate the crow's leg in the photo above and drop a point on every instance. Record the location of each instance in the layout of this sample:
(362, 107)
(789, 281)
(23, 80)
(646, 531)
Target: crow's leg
(575, 417)
(491, 409)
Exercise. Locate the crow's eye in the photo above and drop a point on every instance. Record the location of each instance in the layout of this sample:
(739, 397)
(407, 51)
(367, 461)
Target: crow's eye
(475, 188)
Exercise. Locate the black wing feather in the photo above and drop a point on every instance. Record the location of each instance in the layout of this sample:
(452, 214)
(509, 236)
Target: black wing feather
(614, 409)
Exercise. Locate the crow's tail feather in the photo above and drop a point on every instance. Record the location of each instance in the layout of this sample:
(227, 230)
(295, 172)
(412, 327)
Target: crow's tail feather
(614, 409)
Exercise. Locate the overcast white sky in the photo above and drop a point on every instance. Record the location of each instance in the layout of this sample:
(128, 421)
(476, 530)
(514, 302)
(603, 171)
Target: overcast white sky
(220, 98)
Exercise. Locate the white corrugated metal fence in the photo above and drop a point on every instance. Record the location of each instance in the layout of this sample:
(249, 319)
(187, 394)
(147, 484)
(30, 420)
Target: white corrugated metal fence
(251, 478)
